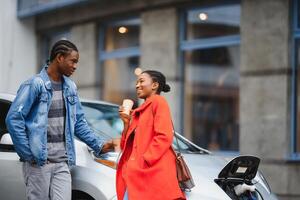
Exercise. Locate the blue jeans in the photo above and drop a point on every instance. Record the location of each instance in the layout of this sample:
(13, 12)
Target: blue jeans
(126, 195)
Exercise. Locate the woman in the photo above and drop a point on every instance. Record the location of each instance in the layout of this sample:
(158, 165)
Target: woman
(147, 170)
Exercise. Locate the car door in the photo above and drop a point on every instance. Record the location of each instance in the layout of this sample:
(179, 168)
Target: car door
(12, 185)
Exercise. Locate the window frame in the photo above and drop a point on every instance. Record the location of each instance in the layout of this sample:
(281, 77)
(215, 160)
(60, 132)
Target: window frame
(196, 44)
(103, 55)
(295, 46)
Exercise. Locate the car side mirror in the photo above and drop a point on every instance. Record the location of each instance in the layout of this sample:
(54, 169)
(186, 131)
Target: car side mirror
(6, 139)
(6, 143)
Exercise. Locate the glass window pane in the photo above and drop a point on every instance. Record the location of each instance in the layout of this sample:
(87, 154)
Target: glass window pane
(214, 21)
(212, 97)
(104, 119)
(122, 34)
(119, 79)
(4, 107)
(298, 14)
(297, 138)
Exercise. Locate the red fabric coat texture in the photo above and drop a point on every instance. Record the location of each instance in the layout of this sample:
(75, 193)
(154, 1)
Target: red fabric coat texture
(147, 166)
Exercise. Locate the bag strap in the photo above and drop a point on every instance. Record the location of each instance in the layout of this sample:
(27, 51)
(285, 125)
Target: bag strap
(178, 147)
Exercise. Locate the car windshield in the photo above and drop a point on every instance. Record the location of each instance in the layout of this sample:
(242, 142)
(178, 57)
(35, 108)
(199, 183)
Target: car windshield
(105, 121)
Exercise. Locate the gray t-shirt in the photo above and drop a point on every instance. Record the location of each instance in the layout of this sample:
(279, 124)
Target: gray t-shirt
(56, 144)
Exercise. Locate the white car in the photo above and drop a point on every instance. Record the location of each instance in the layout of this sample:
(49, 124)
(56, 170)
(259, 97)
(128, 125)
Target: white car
(93, 178)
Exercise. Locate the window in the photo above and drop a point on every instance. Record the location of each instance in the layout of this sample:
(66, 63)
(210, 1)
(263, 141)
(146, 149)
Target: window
(297, 135)
(295, 108)
(119, 57)
(5, 139)
(119, 80)
(122, 34)
(4, 107)
(210, 47)
(213, 22)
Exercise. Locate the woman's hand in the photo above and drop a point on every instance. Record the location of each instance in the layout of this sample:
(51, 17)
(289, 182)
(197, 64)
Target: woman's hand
(126, 120)
(124, 117)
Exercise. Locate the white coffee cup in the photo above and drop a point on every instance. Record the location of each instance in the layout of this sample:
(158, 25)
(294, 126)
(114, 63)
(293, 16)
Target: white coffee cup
(127, 105)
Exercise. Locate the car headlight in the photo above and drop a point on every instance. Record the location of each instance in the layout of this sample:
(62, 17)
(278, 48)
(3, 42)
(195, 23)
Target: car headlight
(262, 180)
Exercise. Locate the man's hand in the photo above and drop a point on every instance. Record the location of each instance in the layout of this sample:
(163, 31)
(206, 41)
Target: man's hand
(107, 147)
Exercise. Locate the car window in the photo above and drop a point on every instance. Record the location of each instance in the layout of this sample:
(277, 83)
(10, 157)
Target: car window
(184, 146)
(105, 121)
(4, 107)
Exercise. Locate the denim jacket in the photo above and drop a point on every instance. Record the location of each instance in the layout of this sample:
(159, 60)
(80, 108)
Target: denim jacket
(27, 120)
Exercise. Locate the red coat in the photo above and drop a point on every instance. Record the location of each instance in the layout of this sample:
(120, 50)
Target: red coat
(147, 166)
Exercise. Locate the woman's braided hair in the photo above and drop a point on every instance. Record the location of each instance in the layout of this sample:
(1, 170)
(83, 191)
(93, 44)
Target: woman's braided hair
(160, 79)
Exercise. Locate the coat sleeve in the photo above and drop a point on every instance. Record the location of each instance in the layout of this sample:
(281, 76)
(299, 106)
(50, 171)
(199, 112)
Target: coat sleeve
(163, 132)
(15, 119)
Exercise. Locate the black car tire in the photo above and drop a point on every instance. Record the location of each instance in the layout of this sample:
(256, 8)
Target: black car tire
(79, 195)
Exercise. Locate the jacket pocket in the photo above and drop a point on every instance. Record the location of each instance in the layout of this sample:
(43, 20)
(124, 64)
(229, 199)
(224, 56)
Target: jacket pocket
(72, 99)
(43, 103)
(44, 97)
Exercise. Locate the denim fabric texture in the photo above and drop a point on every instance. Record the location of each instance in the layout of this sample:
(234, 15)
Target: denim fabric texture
(27, 119)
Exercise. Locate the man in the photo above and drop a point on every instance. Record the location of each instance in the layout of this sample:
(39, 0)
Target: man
(42, 121)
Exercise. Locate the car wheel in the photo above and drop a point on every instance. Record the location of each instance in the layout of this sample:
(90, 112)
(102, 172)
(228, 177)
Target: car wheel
(79, 195)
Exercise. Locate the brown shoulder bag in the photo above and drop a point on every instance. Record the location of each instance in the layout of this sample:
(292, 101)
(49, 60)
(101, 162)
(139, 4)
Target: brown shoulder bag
(184, 176)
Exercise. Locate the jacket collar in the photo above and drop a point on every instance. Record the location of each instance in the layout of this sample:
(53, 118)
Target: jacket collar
(144, 105)
(45, 77)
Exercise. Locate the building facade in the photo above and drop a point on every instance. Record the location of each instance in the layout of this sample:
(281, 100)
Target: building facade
(232, 66)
